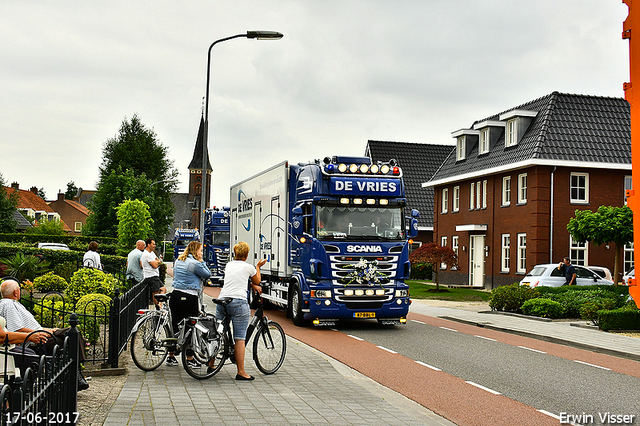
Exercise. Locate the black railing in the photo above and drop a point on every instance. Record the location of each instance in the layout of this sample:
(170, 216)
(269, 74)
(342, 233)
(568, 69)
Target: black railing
(47, 390)
(123, 316)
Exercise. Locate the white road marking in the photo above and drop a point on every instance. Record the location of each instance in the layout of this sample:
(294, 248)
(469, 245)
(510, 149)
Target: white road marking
(484, 388)
(592, 365)
(428, 366)
(354, 337)
(485, 338)
(531, 349)
(450, 329)
(419, 322)
(388, 350)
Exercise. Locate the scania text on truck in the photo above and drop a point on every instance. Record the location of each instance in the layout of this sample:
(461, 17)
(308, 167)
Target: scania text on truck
(334, 236)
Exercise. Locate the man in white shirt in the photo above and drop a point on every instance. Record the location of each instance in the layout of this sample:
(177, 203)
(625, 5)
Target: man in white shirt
(150, 264)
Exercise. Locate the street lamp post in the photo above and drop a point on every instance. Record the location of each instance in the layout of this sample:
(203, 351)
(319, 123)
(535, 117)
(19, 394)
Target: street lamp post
(258, 35)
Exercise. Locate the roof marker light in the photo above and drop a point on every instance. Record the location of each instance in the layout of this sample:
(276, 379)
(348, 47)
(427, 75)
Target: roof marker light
(364, 168)
(374, 168)
(384, 169)
(353, 168)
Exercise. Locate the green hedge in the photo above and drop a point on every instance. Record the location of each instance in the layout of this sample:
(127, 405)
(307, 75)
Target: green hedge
(511, 297)
(64, 239)
(619, 319)
(544, 308)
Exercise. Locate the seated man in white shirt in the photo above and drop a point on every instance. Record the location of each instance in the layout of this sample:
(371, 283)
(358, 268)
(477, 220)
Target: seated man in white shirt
(18, 318)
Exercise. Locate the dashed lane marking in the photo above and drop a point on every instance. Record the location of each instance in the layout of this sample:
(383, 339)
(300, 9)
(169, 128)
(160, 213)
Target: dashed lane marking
(428, 366)
(531, 349)
(484, 388)
(354, 337)
(388, 350)
(419, 322)
(450, 329)
(592, 365)
(485, 338)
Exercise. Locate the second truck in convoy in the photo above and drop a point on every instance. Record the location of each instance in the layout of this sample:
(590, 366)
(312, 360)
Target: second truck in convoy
(334, 235)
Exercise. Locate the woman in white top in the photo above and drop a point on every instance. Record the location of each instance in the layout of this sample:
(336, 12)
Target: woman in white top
(91, 258)
(236, 276)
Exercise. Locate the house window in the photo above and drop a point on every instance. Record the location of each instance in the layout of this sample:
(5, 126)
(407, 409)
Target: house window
(445, 201)
(628, 257)
(484, 194)
(461, 148)
(628, 184)
(454, 247)
(484, 141)
(443, 243)
(511, 133)
(578, 252)
(522, 254)
(478, 195)
(456, 199)
(505, 253)
(78, 227)
(472, 192)
(522, 188)
(580, 188)
(506, 191)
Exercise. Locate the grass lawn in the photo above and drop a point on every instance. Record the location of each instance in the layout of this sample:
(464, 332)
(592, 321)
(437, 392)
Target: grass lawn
(426, 290)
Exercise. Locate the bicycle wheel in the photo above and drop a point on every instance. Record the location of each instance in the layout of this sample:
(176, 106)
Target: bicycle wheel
(205, 353)
(269, 347)
(147, 350)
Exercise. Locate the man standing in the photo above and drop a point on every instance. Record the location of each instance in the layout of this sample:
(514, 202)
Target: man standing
(569, 271)
(150, 264)
(134, 269)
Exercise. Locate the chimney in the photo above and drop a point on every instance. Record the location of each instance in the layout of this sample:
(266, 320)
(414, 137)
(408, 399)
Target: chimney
(34, 190)
(60, 196)
(15, 186)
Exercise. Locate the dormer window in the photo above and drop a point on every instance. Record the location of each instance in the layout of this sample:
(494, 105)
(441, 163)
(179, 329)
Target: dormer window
(489, 132)
(461, 149)
(484, 141)
(517, 123)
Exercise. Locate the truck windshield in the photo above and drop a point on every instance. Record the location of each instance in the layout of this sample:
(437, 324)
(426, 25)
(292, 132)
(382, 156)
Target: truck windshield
(221, 238)
(359, 223)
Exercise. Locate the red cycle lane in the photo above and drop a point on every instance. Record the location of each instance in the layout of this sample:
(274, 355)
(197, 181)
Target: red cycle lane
(442, 393)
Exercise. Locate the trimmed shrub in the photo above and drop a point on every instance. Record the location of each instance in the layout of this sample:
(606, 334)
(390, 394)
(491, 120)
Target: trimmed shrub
(65, 269)
(544, 308)
(619, 319)
(49, 312)
(49, 282)
(89, 280)
(421, 271)
(512, 297)
(589, 310)
(95, 304)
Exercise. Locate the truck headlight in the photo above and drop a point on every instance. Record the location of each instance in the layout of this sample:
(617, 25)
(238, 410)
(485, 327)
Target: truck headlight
(321, 293)
(402, 293)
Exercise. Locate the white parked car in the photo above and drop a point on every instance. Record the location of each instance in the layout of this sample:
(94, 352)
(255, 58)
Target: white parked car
(602, 271)
(549, 275)
(53, 246)
(630, 274)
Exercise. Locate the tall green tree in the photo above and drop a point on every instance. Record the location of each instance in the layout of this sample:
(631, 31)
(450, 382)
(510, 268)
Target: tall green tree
(71, 191)
(134, 223)
(604, 226)
(8, 203)
(135, 165)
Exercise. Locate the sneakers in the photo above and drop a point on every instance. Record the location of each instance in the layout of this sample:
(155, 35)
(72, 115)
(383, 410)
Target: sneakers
(193, 363)
(171, 361)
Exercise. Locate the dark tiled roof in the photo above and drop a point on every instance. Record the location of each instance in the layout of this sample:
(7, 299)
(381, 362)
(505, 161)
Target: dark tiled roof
(576, 128)
(196, 161)
(21, 222)
(418, 162)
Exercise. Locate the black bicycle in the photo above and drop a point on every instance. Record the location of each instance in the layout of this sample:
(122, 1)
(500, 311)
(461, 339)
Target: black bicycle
(212, 343)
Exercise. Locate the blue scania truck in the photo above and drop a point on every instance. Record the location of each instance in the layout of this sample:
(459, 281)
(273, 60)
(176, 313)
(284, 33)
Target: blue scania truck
(335, 237)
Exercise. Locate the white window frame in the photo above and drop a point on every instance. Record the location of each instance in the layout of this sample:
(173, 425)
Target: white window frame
(628, 257)
(484, 194)
(522, 188)
(461, 145)
(472, 193)
(454, 247)
(628, 184)
(456, 199)
(506, 191)
(478, 195)
(579, 200)
(443, 243)
(505, 252)
(484, 141)
(521, 261)
(511, 133)
(78, 227)
(578, 252)
(445, 201)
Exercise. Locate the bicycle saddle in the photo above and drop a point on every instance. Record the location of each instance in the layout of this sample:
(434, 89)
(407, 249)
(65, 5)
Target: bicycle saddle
(223, 302)
(163, 297)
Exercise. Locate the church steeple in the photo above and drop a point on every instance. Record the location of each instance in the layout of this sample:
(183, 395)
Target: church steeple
(196, 161)
(195, 179)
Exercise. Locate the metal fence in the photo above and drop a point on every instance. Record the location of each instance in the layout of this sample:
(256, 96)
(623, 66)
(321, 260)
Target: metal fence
(46, 392)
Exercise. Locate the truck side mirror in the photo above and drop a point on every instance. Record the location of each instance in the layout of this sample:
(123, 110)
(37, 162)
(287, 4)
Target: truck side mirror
(413, 228)
(415, 213)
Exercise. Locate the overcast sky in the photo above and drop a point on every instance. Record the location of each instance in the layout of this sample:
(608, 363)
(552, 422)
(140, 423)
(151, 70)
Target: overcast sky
(345, 72)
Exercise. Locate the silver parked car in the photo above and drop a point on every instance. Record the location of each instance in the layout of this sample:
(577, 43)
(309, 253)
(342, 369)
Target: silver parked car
(602, 271)
(53, 246)
(549, 275)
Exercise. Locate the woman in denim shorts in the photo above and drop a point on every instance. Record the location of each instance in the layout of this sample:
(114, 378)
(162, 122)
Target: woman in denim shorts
(236, 275)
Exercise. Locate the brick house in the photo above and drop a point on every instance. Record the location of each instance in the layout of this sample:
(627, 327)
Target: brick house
(71, 212)
(504, 196)
(418, 161)
(33, 206)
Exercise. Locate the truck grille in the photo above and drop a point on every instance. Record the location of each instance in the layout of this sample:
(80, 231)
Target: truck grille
(343, 268)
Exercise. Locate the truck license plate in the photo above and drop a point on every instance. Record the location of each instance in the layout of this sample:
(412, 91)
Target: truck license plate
(364, 314)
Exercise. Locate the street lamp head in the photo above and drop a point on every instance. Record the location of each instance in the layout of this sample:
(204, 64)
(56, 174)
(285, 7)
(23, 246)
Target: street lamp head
(264, 35)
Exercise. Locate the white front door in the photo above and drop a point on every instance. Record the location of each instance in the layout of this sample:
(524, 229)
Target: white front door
(476, 260)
